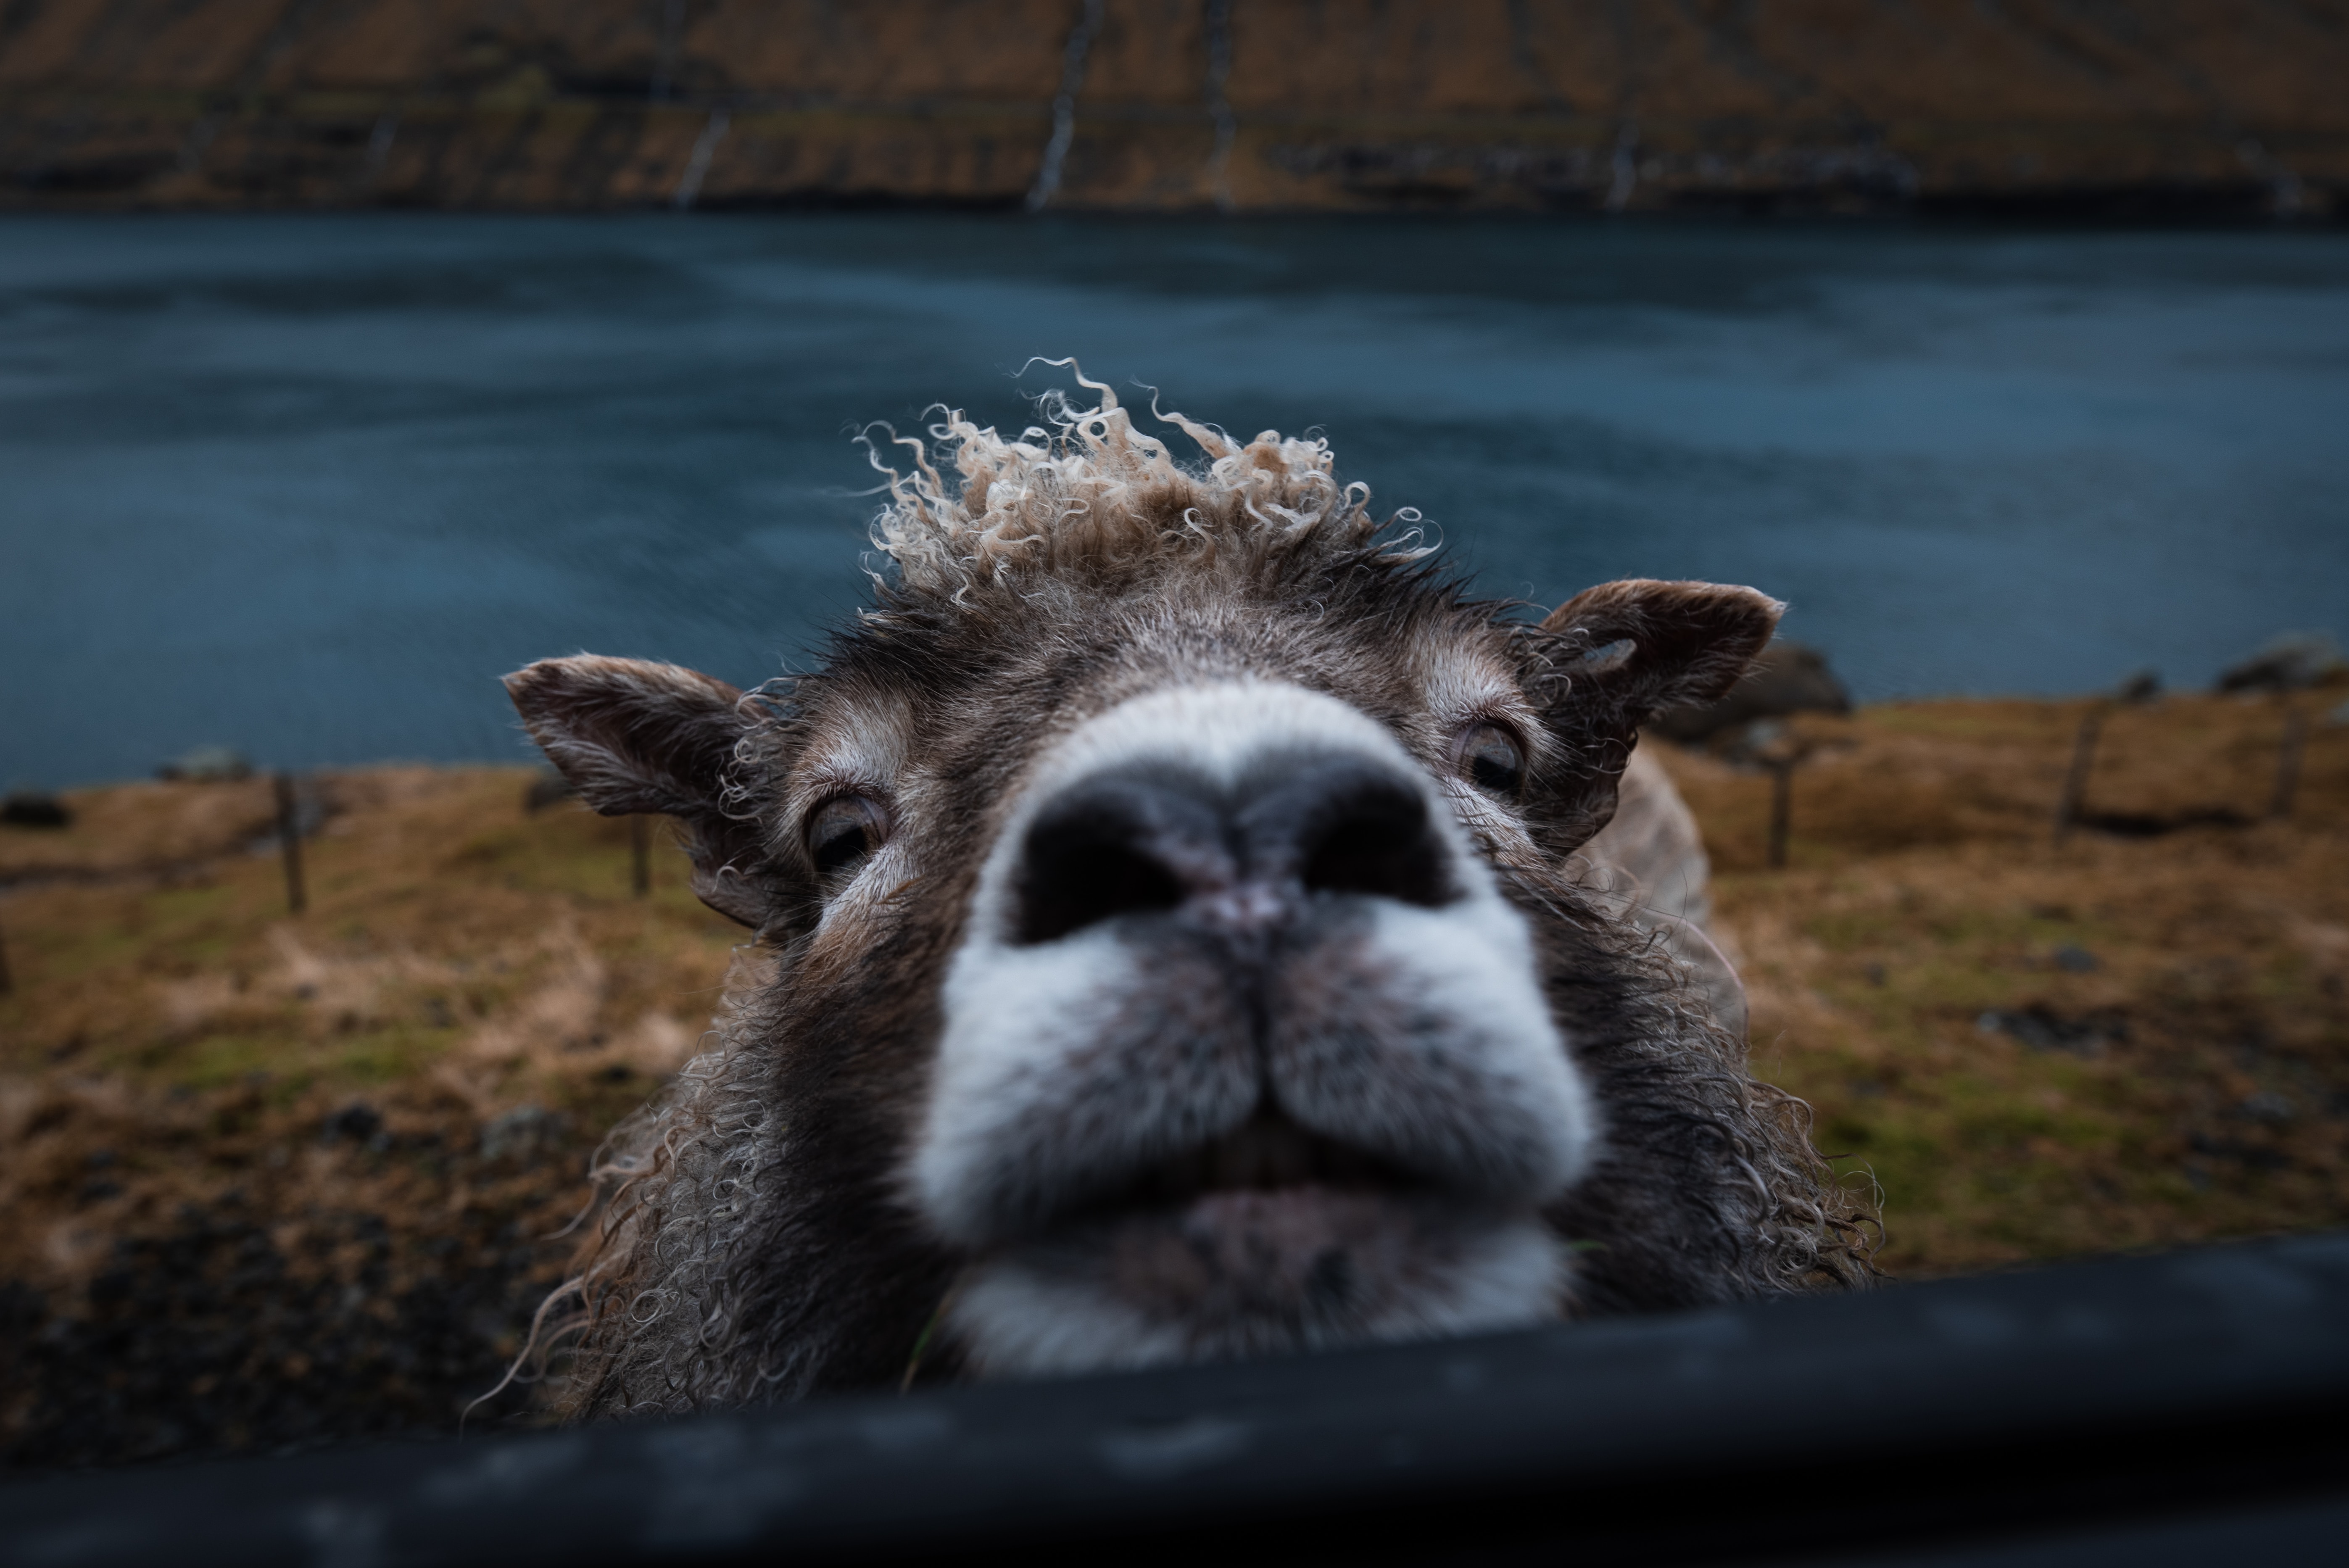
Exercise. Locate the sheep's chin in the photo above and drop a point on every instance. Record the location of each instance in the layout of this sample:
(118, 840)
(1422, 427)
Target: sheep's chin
(1251, 1273)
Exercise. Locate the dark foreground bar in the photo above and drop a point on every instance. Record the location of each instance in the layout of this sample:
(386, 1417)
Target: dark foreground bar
(2192, 1407)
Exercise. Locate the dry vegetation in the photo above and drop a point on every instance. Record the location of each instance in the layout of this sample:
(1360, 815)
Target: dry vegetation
(274, 1180)
(2038, 1051)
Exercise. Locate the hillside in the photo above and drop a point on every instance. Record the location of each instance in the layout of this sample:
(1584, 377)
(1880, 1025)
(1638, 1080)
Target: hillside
(2189, 107)
(274, 1179)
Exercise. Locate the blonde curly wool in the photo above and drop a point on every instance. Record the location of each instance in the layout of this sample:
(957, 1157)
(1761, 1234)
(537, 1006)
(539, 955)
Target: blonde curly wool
(1093, 498)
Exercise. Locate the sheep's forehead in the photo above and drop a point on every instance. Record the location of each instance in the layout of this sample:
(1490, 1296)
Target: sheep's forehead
(865, 736)
(869, 729)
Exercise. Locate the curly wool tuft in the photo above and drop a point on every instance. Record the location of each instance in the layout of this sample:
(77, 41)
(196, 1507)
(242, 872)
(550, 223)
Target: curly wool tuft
(653, 1315)
(1093, 499)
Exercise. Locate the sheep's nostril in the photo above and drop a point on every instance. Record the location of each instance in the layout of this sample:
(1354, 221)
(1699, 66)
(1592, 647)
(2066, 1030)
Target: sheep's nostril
(1365, 831)
(1361, 858)
(1110, 848)
(1083, 886)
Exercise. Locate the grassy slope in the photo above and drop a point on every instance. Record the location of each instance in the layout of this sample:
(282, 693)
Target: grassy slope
(2207, 1093)
(200, 1256)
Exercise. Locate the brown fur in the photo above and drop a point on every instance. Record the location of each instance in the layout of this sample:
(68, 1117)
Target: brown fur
(756, 1243)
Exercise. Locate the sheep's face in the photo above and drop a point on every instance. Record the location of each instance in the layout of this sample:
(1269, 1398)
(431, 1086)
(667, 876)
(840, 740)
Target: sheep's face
(1163, 972)
(1238, 1044)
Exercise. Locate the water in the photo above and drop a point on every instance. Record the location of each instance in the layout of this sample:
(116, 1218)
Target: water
(307, 485)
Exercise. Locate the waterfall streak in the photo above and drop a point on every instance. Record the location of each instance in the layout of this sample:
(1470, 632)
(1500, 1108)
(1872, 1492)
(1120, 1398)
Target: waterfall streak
(1219, 104)
(705, 146)
(1064, 107)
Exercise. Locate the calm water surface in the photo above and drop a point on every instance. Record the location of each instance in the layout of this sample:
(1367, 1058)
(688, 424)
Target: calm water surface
(306, 485)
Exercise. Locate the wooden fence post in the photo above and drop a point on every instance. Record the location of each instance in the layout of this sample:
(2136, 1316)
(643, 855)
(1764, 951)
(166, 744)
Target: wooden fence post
(289, 843)
(640, 847)
(2075, 783)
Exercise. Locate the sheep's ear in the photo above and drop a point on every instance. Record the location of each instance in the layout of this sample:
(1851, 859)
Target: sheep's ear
(1629, 650)
(1645, 646)
(635, 737)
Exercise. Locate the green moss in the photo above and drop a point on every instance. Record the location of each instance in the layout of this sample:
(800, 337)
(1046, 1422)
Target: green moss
(382, 1055)
(562, 852)
(216, 1061)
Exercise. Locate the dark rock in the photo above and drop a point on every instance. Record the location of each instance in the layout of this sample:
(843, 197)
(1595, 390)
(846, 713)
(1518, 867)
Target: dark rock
(1788, 677)
(2043, 1028)
(2153, 825)
(31, 809)
(358, 1121)
(2075, 960)
(2250, 1156)
(2291, 662)
(2141, 688)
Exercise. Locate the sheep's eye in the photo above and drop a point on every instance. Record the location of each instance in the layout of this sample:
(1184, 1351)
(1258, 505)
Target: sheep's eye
(842, 831)
(1491, 759)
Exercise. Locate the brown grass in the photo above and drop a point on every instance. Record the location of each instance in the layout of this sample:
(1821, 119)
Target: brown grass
(177, 1050)
(2205, 1091)
(459, 960)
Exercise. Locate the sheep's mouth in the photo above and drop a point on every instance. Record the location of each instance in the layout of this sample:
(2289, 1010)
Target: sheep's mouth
(1272, 1237)
(1267, 1154)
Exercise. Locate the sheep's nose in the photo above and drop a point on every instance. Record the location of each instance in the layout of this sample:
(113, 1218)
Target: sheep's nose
(1244, 860)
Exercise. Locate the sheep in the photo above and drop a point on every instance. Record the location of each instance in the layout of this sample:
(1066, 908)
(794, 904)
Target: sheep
(1178, 936)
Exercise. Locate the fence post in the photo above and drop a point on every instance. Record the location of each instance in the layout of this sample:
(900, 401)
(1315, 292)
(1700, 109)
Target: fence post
(7, 982)
(2075, 783)
(289, 843)
(2287, 778)
(640, 847)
